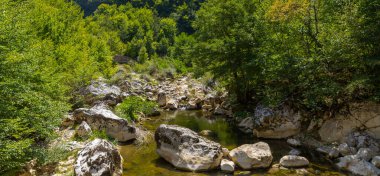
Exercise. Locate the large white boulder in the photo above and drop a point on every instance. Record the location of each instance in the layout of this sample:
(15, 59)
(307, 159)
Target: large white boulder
(186, 150)
(250, 156)
(98, 158)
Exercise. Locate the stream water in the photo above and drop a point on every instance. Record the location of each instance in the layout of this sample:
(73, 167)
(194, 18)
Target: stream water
(144, 161)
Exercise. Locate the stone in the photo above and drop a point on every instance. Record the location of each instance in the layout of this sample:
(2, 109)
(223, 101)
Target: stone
(334, 153)
(225, 152)
(293, 161)
(376, 161)
(186, 150)
(324, 149)
(278, 123)
(365, 154)
(345, 150)
(100, 91)
(293, 142)
(192, 105)
(98, 158)
(104, 119)
(357, 166)
(294, 152)
(362, 140)
(206, 107)
(227, 166)
(206, 132)
(84, 130)
(172, 104)
(161, 99)
(220, 111)
(246, 125)
(249, 156)
(68, 121)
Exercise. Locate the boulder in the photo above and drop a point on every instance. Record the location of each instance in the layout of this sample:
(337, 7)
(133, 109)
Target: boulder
(206, 132)
(345, 150)
(161, 99)
(246, 125)
(293, 142)
(98, 158)
(277, 123)
(84, 130)
(100, 91)
(357, 166)
(192, 105)
(365, 154)
(104, 119)
(250, 156)
(172, 104)
(227, 166)
(68, 121)
(220, 111)
(225, 152)
(376, 161)
(293, 161)
(294, 152)
(186, 150)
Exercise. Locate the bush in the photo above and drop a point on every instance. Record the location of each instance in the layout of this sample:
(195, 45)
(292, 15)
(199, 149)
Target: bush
(132, 105)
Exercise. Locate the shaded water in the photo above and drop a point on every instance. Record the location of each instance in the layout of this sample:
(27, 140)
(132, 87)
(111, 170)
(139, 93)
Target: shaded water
(143, 160)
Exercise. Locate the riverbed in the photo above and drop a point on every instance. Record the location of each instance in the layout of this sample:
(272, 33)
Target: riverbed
(143, 160)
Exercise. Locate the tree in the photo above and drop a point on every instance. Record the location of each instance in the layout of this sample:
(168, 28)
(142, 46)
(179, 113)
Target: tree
(227, 35)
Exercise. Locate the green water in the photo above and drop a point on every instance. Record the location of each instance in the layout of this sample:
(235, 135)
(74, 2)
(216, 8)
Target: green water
(143, 160)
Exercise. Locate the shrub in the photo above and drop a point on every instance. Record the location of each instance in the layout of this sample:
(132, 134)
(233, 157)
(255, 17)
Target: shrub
(132, 105)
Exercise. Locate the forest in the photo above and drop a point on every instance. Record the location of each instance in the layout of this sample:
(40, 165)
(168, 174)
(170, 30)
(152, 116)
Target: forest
(318, 56)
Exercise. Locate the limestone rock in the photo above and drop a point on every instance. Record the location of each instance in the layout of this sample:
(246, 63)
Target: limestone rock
(294, 152)
(101, 91)
(186, 150)
(98, 158)
(277, 123)
(84, 130)
(376, 161)
(250, 156)
(172, 104)
(345, 150)
(246, 125)
(225, 152)
(365, 154)
(161, 99)
(357, 166)
(293, 142)
(293, 161)
(227, 166)
(103, 119)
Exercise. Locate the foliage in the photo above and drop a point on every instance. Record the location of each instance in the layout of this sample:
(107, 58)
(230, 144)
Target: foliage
(42, 61)
(132, 105)
(317, 55)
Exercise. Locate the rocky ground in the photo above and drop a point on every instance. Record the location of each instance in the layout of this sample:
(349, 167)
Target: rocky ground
(355, 149)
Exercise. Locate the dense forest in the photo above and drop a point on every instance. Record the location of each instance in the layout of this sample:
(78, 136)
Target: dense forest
(317, 55)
